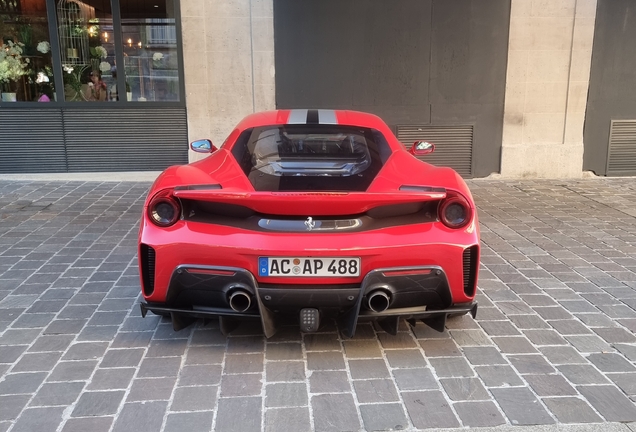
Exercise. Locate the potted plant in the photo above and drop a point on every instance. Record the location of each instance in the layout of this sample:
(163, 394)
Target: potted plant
(12, 67)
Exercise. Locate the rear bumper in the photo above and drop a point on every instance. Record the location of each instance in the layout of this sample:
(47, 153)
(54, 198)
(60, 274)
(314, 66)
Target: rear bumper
(413, 293)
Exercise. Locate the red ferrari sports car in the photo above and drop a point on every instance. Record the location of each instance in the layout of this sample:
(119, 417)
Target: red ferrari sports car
(309, 213)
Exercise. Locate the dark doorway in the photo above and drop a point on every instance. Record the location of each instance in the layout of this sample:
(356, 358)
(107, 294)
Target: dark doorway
(429, 68)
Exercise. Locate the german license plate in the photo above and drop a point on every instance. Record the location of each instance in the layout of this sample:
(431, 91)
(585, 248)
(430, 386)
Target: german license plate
(321, 267)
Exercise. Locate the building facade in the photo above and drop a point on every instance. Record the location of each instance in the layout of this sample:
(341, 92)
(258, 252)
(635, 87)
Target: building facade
(517, 88)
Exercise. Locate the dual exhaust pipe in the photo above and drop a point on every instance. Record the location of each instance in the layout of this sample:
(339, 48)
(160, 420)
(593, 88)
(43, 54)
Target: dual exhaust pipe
(378, 300)
(239, 300)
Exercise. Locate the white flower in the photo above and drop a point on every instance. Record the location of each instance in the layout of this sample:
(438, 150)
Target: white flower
(68, 69)
(104, 67)
(44, 47)
(101, 51)
(42, 78)
(157, 56)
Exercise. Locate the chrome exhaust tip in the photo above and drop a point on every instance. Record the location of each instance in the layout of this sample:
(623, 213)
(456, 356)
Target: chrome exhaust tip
(378, 300)
(240, 301)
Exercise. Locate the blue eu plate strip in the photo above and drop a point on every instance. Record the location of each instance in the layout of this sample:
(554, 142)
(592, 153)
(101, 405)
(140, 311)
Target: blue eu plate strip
(263, 264)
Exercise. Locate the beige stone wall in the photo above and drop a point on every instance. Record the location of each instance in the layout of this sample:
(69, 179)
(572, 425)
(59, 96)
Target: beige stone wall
(228, 51)
(549, 59)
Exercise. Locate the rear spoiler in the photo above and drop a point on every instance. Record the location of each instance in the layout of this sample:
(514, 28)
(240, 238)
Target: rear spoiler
(311, 203)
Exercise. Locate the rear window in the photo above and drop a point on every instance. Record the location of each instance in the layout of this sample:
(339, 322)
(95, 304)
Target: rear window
(311, 157)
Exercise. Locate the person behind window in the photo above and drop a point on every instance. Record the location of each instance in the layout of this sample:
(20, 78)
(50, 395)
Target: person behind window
(96, 87)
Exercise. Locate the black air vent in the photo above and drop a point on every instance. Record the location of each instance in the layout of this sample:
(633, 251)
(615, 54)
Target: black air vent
(470, 270)
(621, 157)
(148, 268)
(453, 145)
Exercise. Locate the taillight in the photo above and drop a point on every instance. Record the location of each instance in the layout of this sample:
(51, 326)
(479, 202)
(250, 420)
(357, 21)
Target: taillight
(455, 212)
(164, 210)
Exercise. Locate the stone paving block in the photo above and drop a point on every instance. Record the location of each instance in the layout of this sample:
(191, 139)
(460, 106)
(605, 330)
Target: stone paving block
(375, 391)
(588, 343)
(111, 379)
(247, 344)
(582, 374)
(615, 335)
(530, 364)
(85, 351)
(35, 320)
(205, 355)
(440, 348)
(334, 412)
(409, 358)
(199, 375)
(296, 419)
(611, 362)
(160, 367)
(241, 414)
(364, 348)
(93, 424)
(283, 351)
(550, 385)
(524, 322)
(330, 360)
(286, 395)
(479, 414)
(132, 340)
(625, 381)
(483, 355)
(464, 389)
(194, 398)
(470, 337)
(21, 383)
(571, 410)
(92, 404)
(497, 376)
(62, 393)
(39, 419)
(544, 337)
(46, 343)
(241, 385)
(285, 371)
(415, 379)
(140, 417)
(144, 389)
(322, 341)
(122, 358)
(613, 405)
(192, 421)
(329, 382)
(514, 345)
(451, 367)
(378, 417)
(521, 406)
(368, 369)
(402, 340)
(11, 353)
(167, 348)
(243, 363)
(499, 328)
(429, 409)
(11, 406)
(422, 331)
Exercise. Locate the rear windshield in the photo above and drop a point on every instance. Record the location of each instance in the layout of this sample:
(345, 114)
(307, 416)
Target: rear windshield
(311, 157)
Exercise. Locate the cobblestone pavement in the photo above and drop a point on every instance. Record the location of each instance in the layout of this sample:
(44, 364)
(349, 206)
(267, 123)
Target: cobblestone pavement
(553, 343)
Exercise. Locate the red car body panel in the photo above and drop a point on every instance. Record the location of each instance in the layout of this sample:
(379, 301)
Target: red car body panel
(219, 179)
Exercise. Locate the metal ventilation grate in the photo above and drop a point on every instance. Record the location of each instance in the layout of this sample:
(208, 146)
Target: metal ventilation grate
(453, 145)
(621, 153)
(31, 141)
(126, 139)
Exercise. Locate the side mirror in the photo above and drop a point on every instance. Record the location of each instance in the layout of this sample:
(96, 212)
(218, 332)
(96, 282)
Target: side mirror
(421, 148)
(202, 146)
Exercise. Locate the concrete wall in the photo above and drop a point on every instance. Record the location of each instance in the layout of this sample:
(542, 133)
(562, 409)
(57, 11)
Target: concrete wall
(546, 87)
(228, 50)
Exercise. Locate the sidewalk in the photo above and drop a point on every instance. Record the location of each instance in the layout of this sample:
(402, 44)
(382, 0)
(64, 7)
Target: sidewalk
(552, 349)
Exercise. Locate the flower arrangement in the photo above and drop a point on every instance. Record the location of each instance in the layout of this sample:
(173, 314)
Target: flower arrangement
(104, 67)
(12, 65)
(44, 47)
(99, 52)
(73, 81)
(157, 56)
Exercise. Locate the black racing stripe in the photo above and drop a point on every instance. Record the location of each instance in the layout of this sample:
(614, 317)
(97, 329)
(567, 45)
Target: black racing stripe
(312, 117)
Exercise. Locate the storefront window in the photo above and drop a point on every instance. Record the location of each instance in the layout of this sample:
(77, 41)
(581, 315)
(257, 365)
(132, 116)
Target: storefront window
(149, 39)
(26, 72)
(85, 31)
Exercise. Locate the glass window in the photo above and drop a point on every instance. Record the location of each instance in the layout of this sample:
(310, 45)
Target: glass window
(149, 39)
(26, 73)
(87, 50)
